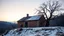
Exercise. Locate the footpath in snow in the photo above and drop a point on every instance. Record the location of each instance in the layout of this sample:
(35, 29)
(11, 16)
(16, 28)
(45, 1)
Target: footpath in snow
(37, 31)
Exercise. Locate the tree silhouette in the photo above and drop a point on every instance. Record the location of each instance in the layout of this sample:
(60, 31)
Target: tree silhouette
(50, 8)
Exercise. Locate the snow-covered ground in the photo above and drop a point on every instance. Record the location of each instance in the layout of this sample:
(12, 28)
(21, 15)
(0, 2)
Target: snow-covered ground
(37, 31)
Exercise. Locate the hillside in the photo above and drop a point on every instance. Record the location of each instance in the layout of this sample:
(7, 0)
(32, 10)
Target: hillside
(37, 31)
(6, 26)
(57, 20)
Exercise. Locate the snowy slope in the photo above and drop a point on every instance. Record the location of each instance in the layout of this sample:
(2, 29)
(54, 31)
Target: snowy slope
(38, 31)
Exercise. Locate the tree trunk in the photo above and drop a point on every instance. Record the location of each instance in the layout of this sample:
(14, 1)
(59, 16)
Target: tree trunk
(47, 22)
(48, 19)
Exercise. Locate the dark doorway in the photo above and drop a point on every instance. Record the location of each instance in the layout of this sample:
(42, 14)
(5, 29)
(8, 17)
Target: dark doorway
(40, 25)
(26, 24)
(21, 26)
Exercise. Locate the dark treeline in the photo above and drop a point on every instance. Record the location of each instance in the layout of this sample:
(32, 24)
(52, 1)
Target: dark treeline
(6, 26)
(57, 20)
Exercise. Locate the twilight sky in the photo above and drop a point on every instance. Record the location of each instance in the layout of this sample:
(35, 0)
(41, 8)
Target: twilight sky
(13, 10)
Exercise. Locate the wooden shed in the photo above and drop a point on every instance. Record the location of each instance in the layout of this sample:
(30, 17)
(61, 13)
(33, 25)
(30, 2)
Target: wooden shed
(32, 21)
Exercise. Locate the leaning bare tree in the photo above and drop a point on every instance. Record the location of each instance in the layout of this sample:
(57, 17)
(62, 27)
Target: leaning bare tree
(50, 8)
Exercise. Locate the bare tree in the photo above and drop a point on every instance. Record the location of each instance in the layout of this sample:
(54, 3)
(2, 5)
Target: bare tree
(50, 8)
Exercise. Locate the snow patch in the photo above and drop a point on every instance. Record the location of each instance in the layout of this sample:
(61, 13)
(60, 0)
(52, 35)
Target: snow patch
(37, 31)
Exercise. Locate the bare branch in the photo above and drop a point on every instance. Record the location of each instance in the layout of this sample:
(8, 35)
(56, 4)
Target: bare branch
(53, 3)
(50, 7)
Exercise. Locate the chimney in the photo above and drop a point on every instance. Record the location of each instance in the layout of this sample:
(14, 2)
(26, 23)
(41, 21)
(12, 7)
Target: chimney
(27, 15)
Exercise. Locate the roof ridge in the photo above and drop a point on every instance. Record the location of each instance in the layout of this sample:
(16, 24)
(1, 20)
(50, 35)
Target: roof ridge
(36, 17)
